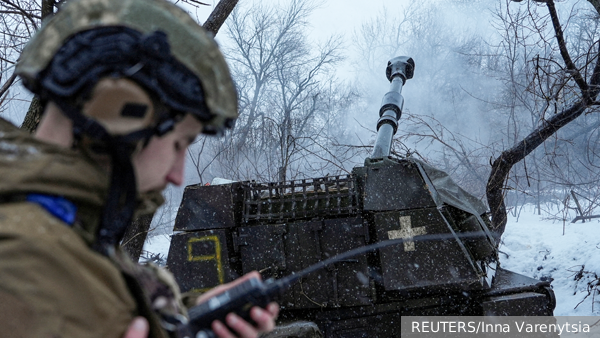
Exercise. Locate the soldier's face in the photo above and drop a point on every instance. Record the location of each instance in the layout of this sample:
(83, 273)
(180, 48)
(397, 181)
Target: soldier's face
(162, 161)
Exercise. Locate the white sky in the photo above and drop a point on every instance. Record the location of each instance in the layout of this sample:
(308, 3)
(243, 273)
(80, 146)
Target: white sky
(332, 16)
(346, 13)
(343, 16)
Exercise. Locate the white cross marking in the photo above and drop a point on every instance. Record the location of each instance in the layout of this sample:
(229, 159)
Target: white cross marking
(407, 233)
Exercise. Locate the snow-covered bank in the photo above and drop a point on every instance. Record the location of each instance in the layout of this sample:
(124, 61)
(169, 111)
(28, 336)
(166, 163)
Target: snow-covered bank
(158, 247)
(537, 248)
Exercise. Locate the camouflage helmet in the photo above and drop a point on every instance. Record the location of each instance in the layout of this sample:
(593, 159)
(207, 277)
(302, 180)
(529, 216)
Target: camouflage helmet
(124, 71)
(187, 42)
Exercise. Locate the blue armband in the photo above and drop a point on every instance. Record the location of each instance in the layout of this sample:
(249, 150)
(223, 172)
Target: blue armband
(58, 206)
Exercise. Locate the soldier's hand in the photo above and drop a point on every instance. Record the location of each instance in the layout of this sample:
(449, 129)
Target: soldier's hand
(236, 326)
(138, 328)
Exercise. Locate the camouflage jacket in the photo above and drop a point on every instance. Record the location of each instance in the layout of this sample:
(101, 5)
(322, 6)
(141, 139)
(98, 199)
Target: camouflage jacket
(51, 283)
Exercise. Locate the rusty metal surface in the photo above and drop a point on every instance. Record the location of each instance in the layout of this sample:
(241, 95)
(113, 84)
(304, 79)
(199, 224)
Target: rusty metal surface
(209, 207)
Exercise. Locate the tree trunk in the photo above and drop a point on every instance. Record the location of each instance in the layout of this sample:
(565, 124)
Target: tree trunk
(503, 164)
(219, 15)
(34, 113)
(135, 236)
(47, 8)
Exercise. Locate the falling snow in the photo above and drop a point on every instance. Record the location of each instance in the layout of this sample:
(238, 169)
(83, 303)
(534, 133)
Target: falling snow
(534, 246)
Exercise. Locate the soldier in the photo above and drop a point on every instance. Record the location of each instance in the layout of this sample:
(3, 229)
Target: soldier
(127, 86)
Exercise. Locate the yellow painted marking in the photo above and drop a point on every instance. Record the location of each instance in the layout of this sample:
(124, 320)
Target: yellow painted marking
(203, 258)
(407, 233)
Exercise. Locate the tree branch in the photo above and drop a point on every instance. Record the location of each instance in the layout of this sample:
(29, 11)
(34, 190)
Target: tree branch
(503, 164)
(562, 45)
(596, 4)
(19, 13)
(7, 84)
(196, 3)
(30, 16)
(34, 113)
(219, 15)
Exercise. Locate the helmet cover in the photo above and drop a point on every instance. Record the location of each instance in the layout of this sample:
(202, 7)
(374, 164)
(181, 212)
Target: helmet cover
(189, 44)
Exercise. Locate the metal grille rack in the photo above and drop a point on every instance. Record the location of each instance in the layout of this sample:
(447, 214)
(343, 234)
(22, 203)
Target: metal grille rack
(299, 199)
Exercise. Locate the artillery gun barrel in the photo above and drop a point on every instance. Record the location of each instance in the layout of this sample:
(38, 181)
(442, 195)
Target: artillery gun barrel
(399, 69)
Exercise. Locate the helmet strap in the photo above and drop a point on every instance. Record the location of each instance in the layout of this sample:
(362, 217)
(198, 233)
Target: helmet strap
(121, 202)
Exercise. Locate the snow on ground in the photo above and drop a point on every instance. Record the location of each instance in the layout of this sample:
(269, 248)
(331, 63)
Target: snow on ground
(536, 247)
(158, 247)
(533, 246)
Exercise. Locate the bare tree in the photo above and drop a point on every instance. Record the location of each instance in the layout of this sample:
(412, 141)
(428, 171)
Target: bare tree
(585, 78)
(286, 89)
(263, 37)
(22, 18)
(19, 20)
